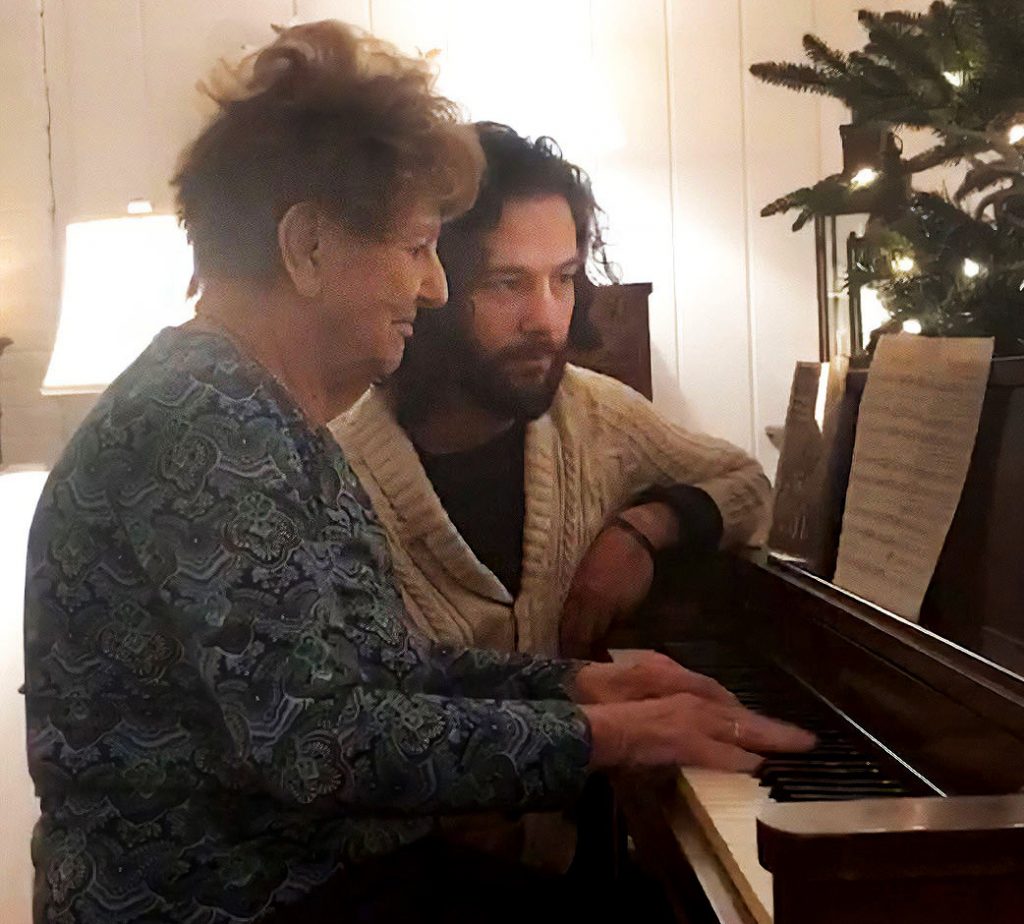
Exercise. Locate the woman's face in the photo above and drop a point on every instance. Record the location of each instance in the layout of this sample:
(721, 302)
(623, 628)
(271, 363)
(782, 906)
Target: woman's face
(372, 290)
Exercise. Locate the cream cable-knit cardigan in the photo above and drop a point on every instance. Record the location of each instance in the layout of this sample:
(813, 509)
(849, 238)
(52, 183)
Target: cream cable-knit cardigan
(599, 445)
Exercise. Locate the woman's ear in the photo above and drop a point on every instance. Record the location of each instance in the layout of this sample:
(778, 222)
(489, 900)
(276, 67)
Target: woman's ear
(299, 241)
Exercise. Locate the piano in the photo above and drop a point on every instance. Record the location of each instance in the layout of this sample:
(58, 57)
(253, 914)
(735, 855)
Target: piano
(908, 811)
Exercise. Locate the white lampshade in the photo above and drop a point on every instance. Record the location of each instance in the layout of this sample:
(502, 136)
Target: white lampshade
(124, 280)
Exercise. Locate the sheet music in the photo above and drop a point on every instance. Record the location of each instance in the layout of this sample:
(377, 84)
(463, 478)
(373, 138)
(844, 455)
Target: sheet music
(915, 435)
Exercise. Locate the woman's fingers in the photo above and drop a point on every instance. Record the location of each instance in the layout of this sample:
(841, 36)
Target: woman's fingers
(754, 732)
(718, 755)
(688, 730)
(705, 687)
(653, 675)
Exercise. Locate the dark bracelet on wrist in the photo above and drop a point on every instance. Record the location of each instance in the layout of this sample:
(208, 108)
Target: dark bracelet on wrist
(624, 524)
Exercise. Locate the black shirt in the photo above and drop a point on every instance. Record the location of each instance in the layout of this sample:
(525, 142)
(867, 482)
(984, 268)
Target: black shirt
(483, 492)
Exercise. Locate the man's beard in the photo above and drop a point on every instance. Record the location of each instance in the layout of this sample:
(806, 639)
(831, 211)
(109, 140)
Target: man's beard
(485, 379)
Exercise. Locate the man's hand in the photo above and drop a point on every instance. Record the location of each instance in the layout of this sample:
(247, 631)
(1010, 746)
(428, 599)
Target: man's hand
(645, 675)
(612, 580)
(614, 576)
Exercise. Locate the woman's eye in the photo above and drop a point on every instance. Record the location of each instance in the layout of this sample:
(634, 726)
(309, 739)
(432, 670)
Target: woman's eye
(422, 247)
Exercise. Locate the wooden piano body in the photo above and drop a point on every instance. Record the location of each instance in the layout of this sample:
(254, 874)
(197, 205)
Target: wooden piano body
(942, 719)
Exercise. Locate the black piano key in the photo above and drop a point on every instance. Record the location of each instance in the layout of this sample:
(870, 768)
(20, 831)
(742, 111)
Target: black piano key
(795, 783)
(820, 767)
(820, 772)
(812, 796)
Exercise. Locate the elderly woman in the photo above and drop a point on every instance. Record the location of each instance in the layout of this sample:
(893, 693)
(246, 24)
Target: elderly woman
(226, 715)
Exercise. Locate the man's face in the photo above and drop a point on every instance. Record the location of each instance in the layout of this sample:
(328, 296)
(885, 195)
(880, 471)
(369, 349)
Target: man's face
(521, 304)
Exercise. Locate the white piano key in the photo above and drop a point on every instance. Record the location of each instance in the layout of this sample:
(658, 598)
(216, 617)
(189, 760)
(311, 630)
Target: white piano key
(726, 806)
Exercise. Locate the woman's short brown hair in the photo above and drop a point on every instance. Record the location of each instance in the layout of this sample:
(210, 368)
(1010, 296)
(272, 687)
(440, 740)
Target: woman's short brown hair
(324, 114)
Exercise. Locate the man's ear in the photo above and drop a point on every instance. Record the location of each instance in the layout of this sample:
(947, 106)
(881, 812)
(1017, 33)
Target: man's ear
(298, 239)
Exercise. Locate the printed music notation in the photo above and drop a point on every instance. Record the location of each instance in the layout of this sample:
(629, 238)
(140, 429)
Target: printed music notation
(915, 435)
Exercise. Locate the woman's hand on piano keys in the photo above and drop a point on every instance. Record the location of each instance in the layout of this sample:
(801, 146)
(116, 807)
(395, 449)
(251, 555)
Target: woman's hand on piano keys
(645, 675)
(686, 730)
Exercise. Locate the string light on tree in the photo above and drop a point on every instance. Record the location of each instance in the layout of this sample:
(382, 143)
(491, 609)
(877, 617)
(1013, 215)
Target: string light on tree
(903, 263)
(912, 326)
(955, 78)
(863, 177)
(972, 269)
(1016, 134)
(873, 313)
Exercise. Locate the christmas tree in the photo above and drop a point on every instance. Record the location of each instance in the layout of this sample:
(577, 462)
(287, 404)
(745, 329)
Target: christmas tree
(954, 262)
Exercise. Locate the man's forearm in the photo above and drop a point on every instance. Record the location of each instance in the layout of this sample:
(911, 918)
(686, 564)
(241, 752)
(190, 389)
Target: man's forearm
(677, 516)
(657, 521)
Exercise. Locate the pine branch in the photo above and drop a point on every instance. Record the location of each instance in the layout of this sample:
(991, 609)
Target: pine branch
(950, 151)
(1001, 25)
(826, 197)
(983, 175)
(899, 112)
(800, 77)
(910, 55)
(997, 201)
(953, 29)
(796, 199)
(824, 56)
(897, 17)
(881, 79)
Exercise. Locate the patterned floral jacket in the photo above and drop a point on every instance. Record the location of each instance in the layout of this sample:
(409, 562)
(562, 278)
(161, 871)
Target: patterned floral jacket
(224, 706)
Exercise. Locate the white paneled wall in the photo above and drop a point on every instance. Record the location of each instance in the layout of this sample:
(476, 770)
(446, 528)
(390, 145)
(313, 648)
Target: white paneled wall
(708, 164)
(781, 152)
(631, 164)
(651, 96)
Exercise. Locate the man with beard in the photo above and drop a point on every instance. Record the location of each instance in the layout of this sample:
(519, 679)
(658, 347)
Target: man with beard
(525, 499)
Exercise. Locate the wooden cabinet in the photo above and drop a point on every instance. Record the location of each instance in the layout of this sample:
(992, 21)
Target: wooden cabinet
(620, 315)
